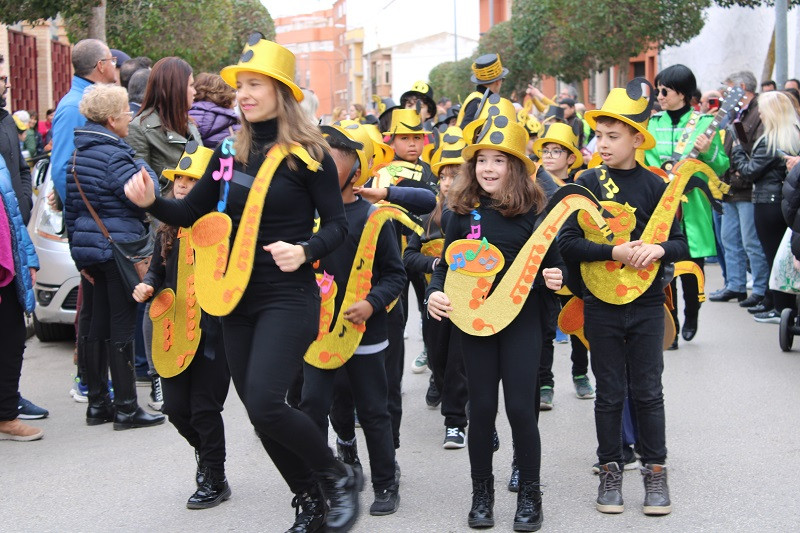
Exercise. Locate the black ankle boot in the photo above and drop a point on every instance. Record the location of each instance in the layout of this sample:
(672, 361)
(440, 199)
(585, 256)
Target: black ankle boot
(95, 360)
(212, 492)
(128, 413)
(482, 512)
(314, 509)
(348, 454)
(340, 488)
(529, 507)
(202, 471)
(513, 482)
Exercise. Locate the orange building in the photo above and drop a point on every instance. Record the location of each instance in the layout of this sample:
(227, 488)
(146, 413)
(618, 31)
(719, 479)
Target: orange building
(318, 42)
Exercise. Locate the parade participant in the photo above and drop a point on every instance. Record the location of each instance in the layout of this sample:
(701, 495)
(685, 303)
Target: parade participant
(268, 298)
(358, 312)
(765, 167)
(488, 74)
(496, 206)
(420, 98)
(384, 107)
(188, 352)
(18, 266)
(678, 130)
(420, 257)
(573, 119)
(559, 154)
(357, 113)
(625, 329)
(94, 208)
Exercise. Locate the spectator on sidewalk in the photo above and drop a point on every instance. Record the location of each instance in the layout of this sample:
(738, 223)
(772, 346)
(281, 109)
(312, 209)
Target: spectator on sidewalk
(10, 151)
(212, 109)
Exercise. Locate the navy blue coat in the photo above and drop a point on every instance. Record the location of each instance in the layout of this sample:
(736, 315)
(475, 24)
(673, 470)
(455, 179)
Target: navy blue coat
(104, 163)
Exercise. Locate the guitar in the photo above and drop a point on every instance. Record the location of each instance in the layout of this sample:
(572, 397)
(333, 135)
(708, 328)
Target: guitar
(732, 102)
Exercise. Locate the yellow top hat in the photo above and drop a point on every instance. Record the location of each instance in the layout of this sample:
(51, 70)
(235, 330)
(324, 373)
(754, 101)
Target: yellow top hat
(429, 149)
(383, 153)
(357, 132)
(192, 163)
(560, 134)
(449, 152)
(530, 123)
(505, 135)
(406, 121)
(629, 105)
(488, 69)
(264, 57)
(494, 105)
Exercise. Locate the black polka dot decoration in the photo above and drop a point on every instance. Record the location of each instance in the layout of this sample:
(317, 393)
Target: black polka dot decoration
(496, 137)
(501, 121)
(247, 56)
(254, 38)
(494, 98)
(185, 163)
(493, 111)
(352, 127)
(451, 139)
(191, 147)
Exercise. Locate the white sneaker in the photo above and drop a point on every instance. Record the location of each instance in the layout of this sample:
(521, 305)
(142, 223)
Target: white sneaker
(78, 393)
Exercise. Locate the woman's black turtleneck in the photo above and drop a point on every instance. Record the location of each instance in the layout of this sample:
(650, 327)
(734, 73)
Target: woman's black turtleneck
(288, 215)
(675, 116)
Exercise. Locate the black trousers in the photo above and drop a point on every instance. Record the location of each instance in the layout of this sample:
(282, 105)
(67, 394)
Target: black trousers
(627, 338)
(113, 311)
(12, 321)
(194, 400)
(366, 375)
(690, 293)
(446, 362)
(84, 321)
(266, 337)
(511, 355)
(395, 360)
(770, 227)
(551, 306)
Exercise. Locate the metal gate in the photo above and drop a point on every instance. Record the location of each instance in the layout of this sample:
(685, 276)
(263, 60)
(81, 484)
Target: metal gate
(62, 69)
(23, 73)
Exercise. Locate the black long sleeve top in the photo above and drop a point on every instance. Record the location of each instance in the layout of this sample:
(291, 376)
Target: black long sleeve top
(642, 190)
(289, 209)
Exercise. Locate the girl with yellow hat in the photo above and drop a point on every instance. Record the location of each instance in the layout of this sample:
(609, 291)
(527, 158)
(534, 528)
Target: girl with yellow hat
(253, 210)
(496, 206)
(187, 348)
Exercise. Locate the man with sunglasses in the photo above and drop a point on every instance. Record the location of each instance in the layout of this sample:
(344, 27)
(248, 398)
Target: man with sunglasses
(11, 152)
(679, 130)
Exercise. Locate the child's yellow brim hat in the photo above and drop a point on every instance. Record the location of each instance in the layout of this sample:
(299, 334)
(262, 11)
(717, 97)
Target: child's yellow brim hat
(494, 105)
(629, 105)
(563, 135)
(503, 134)
(355, 131)
(192, 163)
(264, 57)
(406, 122)
(450, 149)
(383, 153)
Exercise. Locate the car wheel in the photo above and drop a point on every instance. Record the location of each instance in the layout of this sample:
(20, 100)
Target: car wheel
(52, 332)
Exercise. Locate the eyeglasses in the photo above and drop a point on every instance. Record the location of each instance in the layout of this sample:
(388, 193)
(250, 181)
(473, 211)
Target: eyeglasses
(112, 59)
(555, 153)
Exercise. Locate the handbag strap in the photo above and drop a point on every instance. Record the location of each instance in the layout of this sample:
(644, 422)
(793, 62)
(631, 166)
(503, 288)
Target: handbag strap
(86, 201)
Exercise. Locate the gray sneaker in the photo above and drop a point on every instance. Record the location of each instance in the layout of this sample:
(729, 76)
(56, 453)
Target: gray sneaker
(545, 398)
(609, 493)
(583, 387)
(656, 498)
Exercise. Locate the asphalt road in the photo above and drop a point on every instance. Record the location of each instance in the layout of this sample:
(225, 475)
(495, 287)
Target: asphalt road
(732, 402)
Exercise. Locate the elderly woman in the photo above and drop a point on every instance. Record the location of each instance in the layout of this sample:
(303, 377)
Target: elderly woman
(100, 165)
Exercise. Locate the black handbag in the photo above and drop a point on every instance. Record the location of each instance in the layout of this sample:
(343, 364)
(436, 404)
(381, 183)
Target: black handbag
(132, 257)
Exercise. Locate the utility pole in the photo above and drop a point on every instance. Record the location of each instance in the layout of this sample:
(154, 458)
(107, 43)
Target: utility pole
(781, 51)
(455, 33)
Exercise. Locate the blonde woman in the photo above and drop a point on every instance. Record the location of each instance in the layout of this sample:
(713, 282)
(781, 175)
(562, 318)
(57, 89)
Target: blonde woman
(765, 166)
(271, 326)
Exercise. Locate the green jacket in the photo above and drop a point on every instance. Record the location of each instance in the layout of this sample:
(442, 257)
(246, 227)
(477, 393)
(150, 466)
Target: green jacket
(697, 220)
(160, 149)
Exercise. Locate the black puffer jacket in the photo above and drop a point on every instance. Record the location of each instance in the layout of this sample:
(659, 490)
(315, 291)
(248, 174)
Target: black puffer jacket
(764, 169)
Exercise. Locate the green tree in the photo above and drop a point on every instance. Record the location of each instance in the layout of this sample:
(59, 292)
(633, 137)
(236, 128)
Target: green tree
(451, 79)
(248, 16)
(500, 40)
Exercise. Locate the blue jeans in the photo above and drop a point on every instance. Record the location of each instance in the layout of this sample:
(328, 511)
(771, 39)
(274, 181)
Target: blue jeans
(717, 217)
(741, 243)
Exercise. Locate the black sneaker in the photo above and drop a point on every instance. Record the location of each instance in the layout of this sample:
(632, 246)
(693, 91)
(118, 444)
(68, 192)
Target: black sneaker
(768, 317)
(434, 396)
(454, 438)
(751, 301)
(656, 499)
(348, 454)
(386, 502)
(609, 493)
(27, 410)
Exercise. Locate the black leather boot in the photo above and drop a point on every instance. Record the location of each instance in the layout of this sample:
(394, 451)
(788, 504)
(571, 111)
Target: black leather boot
(513, 482)
(529, 507)
(310, 511)
(202, 471)
(127, 414)
(95, 360)
(348, 453)
(482, 512)
(340, 488)
(212, 492)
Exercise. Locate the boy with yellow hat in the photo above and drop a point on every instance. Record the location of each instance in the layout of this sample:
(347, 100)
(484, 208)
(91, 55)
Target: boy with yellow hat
(625, 329)
(407, 139)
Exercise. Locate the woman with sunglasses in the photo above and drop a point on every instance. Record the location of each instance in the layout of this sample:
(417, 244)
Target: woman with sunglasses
(678, 130)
